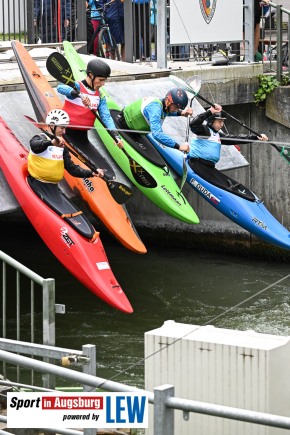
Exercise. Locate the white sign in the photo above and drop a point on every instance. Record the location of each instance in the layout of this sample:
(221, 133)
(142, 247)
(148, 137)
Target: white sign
(75, 410)
(206, 21)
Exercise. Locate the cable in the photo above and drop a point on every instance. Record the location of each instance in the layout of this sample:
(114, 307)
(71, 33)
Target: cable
(141, 361)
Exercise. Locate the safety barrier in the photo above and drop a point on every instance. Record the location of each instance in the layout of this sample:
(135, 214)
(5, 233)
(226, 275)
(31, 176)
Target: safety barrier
(17, 281)
(162, 398)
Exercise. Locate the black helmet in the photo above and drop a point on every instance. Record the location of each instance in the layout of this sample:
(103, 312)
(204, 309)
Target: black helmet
(178, 97)
(98, 68)
(211, 118)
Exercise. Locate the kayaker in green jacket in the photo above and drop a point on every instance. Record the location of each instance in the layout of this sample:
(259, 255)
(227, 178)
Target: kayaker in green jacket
(148, 114)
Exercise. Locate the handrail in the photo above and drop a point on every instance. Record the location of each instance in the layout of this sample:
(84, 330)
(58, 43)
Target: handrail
(21, 268)
(162, 398)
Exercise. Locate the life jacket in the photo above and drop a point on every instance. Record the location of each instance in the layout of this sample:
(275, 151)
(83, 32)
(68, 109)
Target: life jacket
(47, 166)
(207, 149)
(80, 115)
(134, 114)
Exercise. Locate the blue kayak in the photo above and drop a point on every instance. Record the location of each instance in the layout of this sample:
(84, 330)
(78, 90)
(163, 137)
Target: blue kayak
(249, 213)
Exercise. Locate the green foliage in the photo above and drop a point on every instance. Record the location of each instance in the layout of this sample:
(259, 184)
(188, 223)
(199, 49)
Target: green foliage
(267, 84)
(285, 80)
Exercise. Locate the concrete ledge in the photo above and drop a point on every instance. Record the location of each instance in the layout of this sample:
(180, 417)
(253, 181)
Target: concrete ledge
(277, 105)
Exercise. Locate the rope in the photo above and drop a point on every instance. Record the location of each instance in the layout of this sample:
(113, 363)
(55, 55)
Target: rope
(209, 322)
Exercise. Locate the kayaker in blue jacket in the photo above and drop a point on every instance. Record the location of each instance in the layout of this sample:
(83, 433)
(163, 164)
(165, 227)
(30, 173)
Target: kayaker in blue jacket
(205, 146)
(148, 114)
(208, 147)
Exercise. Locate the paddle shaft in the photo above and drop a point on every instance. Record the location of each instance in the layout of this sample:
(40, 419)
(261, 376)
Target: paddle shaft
(278, 148)
(228, 115)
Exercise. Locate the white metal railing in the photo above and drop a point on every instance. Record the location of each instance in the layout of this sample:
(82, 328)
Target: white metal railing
(163, 397)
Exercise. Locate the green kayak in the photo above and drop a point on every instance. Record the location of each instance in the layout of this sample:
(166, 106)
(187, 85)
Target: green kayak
(153, 179)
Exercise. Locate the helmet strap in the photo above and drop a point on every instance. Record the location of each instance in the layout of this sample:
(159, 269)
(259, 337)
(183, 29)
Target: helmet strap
(53, 128)
(167, 103)
(91, 86)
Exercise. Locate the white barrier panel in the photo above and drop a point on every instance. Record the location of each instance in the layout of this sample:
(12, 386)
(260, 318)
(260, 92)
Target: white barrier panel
(205, 21)
(74, 410)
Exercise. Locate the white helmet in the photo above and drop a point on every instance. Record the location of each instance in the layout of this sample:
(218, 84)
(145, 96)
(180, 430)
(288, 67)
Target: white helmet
(57, 117)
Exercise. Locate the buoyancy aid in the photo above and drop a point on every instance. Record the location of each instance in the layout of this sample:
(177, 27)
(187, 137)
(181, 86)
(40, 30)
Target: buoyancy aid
(81, 116)
(207, 149)
(47, 166)
(134, 113)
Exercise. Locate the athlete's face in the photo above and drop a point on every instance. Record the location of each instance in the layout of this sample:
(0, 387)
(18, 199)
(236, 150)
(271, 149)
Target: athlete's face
(218, 124)
(59, 130)
(97, 82)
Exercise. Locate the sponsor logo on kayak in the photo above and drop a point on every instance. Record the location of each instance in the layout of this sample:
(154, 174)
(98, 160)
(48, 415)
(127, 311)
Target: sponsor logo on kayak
(88, 184)
(204, 191)
(170, 194)
(141, 145)
(49, 94)
(65, 237)
(103, 265)
(259, 223)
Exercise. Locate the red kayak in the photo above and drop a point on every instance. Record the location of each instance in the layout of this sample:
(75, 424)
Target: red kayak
(84, 257)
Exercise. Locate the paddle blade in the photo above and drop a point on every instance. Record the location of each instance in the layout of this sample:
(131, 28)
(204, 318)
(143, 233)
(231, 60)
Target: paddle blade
(181, 84)
(184, 172)
(119, 191)
(194, 83)
(285, 153)
(59, 68)
(139, 173)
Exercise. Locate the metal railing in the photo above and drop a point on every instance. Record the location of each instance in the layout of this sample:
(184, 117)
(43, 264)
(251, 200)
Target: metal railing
(19, 281)
(162, 398)
(86, 358)
(146, 31)
(275, 39)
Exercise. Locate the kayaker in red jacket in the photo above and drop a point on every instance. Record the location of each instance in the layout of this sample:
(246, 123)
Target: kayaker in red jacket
(79, 106)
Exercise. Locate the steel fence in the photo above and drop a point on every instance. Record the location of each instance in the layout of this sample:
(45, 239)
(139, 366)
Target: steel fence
(22, 286)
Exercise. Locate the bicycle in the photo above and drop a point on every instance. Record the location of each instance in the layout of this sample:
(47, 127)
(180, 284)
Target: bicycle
(107, 46)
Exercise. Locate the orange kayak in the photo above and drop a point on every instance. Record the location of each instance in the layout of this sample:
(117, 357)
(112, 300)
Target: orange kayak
(93, 191)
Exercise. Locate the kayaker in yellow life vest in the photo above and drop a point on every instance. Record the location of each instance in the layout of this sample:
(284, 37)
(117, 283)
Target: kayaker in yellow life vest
(48, 158)
(148, 114)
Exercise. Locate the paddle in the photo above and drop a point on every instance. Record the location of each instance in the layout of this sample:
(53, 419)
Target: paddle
(194, 83)
(119, 191)
(60, 69)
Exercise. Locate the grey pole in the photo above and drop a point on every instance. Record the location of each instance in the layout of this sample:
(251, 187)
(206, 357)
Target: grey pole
(163, 415)
(128, 23)
(249, 30)
(162, 34)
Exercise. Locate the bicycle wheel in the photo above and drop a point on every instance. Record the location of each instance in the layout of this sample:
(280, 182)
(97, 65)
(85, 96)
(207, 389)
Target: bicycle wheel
(107, 45)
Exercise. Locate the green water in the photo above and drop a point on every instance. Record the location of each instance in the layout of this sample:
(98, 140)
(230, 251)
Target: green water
(182, 285)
